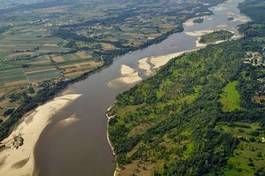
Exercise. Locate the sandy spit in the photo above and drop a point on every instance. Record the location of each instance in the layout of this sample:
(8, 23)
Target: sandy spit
(128, 76)
(240, 18)
(153, 63)
(145, 65)
(20, 161)
(199, 33)
(110, 144)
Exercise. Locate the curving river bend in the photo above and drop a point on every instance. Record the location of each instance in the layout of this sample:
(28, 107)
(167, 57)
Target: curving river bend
(82, 148)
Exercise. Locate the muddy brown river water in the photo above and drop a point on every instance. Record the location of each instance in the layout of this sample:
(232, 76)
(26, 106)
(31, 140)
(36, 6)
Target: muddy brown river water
(81, 148)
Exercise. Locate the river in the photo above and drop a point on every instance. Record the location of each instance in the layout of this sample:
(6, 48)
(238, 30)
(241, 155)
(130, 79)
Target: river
(82, 148)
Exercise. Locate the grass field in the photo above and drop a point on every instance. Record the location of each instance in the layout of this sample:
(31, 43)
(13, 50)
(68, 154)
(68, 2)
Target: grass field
(230, 98)
(249, 155)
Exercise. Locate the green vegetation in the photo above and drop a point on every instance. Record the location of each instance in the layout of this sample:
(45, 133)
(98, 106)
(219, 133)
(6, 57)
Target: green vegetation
(230, 98)
(198, 20)
(216, 36)
(219, 131)
(165, 126)
(249, 155)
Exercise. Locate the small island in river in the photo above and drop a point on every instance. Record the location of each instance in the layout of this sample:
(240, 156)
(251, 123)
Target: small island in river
(221, 35)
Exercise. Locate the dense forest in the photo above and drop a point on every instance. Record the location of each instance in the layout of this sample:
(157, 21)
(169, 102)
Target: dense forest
(202, 114)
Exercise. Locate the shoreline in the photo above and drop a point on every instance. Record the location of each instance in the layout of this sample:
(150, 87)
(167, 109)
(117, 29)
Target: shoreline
(179, 54)
(108, 138)
(149, 68)
(128, 75)
(168, 58)
(151, 64)
(17, 150)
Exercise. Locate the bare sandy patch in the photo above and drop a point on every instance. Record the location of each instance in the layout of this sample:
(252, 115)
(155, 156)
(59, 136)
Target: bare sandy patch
(57, 59)
(163, 60)
(199, 33)
(82, 54)
(151, 64)
(145, 65)
(59, 9)
(126, 70)
(237, 17)
(17, 153)
(189, 23)
(50, 45)
(20, 54)
(107, 46)
(222, 26)
(202, 45)
(128, 76)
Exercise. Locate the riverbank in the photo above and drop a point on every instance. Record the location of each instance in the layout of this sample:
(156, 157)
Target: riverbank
(150, 64)
(108, 138)
(17, 151)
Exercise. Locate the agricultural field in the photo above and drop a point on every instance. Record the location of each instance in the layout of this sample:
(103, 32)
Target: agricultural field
(31, 69)
(18, 75)
(230, 98)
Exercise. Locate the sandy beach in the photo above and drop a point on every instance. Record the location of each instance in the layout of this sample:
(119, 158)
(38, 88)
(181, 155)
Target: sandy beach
(128, 76)
(152, 64)
(108, 138)
(148, 64)
(236, 17)
(17, 155)
(145, 65)
(199, 33)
